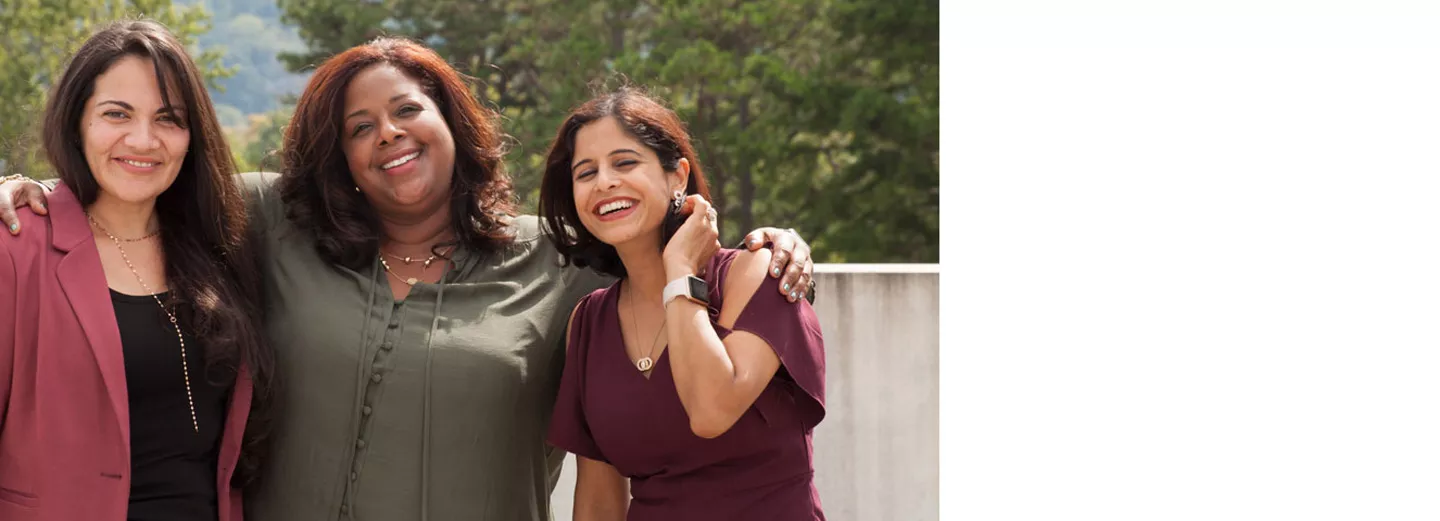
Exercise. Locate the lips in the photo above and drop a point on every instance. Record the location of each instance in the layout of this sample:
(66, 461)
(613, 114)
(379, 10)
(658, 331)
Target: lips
(399, 159)
(137, 163)
(613, 205)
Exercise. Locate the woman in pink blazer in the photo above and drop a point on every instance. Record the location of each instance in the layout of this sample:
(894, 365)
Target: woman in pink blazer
(130, 352)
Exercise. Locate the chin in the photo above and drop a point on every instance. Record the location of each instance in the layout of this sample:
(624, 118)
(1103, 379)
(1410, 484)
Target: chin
(619, 236)
(135, 191)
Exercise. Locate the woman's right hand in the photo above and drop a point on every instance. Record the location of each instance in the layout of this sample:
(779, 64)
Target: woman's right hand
(695, 242)
(18, 193)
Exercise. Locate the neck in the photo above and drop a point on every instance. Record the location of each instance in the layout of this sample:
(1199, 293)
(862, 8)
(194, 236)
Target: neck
(644, 269)
(415, 235)
(123, 219)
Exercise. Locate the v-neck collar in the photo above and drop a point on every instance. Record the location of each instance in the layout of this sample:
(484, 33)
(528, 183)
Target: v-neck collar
(664, 350)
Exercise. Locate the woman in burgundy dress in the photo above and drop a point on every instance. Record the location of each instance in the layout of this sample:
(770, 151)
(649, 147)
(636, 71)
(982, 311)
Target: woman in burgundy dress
(692, 385)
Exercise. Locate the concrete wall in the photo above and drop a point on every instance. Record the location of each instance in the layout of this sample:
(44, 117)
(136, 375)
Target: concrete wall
(878, 450)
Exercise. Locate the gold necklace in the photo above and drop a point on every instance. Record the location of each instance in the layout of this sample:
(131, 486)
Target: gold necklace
(407, 260)
(407, 280)
(645, 362)
(184, 364)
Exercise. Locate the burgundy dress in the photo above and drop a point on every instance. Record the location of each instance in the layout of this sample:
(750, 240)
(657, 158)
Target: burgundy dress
(761, 469)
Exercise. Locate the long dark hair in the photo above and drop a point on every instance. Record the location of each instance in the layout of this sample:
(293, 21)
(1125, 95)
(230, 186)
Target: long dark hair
(316, 185)
(645, 119)
(209, 260)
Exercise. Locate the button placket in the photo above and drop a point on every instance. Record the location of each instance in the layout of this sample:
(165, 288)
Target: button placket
(370, 394)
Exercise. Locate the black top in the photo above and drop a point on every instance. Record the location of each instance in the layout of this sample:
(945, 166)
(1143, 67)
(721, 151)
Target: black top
(172, 473)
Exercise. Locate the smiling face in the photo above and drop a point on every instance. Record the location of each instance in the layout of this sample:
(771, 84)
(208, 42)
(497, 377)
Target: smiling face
(622, 192)
(133, 144)
(397, 144)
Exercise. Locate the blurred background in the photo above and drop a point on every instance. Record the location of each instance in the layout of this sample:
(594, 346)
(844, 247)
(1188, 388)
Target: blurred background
(821, 115)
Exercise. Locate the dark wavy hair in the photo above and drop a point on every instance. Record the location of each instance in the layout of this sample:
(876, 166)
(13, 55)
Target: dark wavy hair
(316, 185)
(645, 119)
(209, 261)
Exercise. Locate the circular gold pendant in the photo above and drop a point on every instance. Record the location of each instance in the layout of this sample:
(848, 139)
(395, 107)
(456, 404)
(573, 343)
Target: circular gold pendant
(644, 364)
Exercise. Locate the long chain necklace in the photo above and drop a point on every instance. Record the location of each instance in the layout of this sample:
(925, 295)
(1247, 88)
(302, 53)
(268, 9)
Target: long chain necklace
(644, 363)
(184, 364)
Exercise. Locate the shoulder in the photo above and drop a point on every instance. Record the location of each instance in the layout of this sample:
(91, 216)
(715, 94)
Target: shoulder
(526, 245)
(741, 274)
(526, 229)
(258, 181)
(19, 253)
(586, 306)
(740, 268)
(262, 197)
(34, 232)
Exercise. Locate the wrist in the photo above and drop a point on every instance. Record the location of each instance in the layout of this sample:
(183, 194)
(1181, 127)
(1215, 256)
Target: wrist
(675, 269)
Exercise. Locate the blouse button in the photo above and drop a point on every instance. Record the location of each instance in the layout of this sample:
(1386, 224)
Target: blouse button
(352, 478)
(387, 346)
(375, 378)
(360, 444)
(365, 411)
(344, 509)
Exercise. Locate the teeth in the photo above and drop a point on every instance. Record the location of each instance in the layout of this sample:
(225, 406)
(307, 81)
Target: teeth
(615, 206)
(401, 161)
(138, 163)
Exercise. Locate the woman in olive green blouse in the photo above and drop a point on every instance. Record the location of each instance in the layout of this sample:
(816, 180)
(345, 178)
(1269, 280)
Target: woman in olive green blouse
(418, 334)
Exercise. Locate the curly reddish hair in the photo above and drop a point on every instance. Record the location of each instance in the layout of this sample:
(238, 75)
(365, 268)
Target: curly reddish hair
(316, 186)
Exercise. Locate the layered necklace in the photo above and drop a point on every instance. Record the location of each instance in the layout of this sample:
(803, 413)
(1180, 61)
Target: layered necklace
(184, 363)
(407, 260)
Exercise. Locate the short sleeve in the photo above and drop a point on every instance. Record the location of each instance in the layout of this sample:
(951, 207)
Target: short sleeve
(569, 429)
(793, 331)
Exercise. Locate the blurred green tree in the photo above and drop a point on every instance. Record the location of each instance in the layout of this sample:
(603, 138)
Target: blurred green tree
(39, 37)
(817, 114)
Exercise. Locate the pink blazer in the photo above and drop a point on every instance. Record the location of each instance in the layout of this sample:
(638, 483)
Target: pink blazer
(64, 413)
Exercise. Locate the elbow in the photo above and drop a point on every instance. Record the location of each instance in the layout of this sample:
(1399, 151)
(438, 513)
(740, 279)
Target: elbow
(711, 425)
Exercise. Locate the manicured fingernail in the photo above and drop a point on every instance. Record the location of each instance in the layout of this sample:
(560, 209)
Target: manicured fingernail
(787, 286)
(14, 227)
(792, 295)
(777, 271)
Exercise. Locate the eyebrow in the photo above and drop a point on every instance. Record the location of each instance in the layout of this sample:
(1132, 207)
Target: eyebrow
(616, 151)
(363, 111)
(173, 109)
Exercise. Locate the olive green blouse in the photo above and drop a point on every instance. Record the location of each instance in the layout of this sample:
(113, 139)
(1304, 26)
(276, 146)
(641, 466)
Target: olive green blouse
(432, 408)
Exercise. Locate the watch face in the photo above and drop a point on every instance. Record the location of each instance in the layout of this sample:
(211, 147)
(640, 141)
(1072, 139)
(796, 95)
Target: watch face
(699, 289)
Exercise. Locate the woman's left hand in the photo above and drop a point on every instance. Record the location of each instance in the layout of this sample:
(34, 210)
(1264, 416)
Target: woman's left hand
(787, 246)
(695, 242)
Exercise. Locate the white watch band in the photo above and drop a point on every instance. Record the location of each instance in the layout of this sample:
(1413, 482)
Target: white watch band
(676, 288)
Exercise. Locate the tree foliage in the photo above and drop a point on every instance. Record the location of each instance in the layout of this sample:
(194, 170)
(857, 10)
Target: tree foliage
(817, 114)
(39, 37)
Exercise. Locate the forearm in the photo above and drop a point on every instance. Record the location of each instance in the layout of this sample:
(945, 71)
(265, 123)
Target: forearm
(704, 373)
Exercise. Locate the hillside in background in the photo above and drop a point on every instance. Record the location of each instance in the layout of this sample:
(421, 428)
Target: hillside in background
(251, 36)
